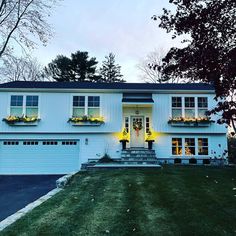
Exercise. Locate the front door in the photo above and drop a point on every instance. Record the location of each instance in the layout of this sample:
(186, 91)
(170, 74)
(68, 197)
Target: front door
(137, 131)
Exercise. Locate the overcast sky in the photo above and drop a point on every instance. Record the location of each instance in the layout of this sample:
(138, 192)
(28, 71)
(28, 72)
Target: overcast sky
(123, 27)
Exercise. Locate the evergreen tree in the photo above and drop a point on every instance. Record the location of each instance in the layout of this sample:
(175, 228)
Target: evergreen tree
(79, 68)
(110, 72)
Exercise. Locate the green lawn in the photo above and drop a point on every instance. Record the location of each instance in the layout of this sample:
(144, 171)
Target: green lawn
(169, 201)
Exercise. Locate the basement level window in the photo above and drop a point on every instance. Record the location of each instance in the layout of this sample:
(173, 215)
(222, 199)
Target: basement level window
(50, 142)
(10, 143)
(69, 143)
(30, 143)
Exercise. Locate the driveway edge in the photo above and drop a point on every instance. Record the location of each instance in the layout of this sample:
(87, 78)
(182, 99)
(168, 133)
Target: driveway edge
(13, 218)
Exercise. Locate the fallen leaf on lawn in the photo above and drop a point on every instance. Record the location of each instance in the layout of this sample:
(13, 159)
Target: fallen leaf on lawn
(92, 199)
(107, 231)
(128, 210)
(216, 181)
(206, 176)
(234, 188)
(134, 229)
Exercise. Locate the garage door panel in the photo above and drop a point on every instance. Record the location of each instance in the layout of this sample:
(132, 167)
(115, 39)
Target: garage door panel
(39, 159)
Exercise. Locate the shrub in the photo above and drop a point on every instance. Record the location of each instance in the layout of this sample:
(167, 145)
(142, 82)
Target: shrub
(177, 161)
(106, 159)
(193, 161)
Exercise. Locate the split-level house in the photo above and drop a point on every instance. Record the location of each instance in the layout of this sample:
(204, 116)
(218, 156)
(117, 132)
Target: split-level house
(52, 127)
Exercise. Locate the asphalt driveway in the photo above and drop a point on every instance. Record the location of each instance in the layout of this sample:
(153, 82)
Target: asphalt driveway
(19, 190)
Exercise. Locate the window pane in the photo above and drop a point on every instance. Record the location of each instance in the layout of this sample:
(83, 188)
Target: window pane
(176, 146)
(202, 102)
(93, 101)
(202, 150)
(32, 101)
(176, 102)
(189, 113)
(32, 112)
(176, 113)
(16, 111)
(189, 146)
(202, 112)
(190, 142)
(78, 101)
(77, 112)
(94, 112)
(17, 100)
(189, 102)
(189, 151)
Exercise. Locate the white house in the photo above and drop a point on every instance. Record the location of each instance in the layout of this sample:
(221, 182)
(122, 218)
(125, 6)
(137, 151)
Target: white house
(44, 128)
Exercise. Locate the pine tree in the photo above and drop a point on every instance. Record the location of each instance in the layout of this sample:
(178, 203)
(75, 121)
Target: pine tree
(110, 72)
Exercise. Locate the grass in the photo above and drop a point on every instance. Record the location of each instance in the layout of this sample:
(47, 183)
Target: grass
(172, 201)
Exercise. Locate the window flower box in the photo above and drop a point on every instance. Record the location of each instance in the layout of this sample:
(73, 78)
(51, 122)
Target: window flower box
(190, 122)
(86, 121)
(21, 121)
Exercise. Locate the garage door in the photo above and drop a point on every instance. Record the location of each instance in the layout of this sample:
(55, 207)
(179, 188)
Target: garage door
(39, 156)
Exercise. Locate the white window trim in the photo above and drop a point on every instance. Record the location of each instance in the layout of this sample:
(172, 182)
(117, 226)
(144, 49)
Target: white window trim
(183, 103)
(86, 103)
(24, 102)
(196, 147)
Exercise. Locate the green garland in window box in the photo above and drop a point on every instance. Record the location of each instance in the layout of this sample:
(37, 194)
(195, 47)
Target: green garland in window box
(87, 119)
(11, 120)
(204, 120)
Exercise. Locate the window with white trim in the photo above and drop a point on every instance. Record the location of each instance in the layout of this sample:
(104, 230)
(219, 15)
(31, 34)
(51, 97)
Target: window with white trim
(86, 105)
(147, 125)
(16, 108)
(176, 107)
(202, 146)
(189, 146)
(78, 106)
(189, 107)
(31, 109)
(177, 148)
(202, 106)
(24, 105)
(94, 106)
(127, 124)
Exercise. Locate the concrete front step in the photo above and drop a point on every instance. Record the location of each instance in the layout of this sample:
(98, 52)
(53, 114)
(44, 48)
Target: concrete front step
(138, 155)
(120, 165)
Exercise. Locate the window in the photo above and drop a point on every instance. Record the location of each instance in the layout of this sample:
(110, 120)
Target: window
(189, 146)
(202, 106)
(94, 106)
(24, 105)
(127, 124)
(10, 143)
(78, 106)
(69, 143)
(203, 146)
(16, 108)
(189, 103)
(30, 143)
(31, 106)
(176, 107)
(50, 143)
(147, 124)
(177, 146)
(83, 105)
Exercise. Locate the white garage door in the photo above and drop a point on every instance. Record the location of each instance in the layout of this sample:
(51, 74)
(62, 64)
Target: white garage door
(39, 156)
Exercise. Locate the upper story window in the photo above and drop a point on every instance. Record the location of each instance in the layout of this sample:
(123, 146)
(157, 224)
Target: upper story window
(78, 106)
(16, 105)
(176, 107)
(202, 106)
(189, 103)
(86, 105)
(31, 106)
(94, 106)
(24, 105)
(189, 107)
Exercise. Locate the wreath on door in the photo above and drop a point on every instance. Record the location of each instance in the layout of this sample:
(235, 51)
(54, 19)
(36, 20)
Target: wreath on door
(137, 125)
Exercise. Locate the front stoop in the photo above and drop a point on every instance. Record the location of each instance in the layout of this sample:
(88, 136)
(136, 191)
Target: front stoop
(130, 158)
